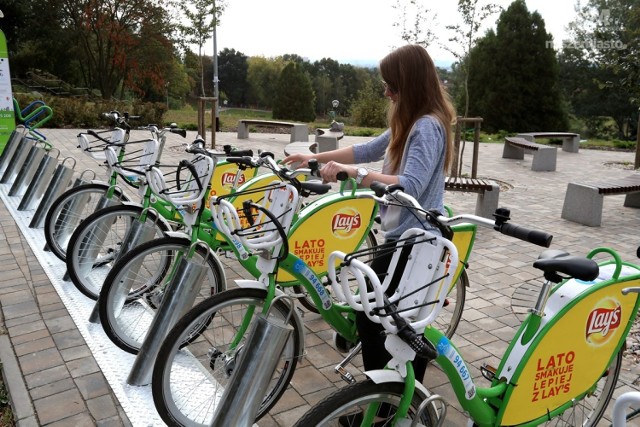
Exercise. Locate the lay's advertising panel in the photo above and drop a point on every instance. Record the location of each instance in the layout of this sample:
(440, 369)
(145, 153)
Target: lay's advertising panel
(584, 340)
(341, 225)
(7, 115)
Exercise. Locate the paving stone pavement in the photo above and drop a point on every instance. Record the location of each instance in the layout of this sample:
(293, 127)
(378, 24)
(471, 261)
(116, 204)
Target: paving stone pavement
(53, 377)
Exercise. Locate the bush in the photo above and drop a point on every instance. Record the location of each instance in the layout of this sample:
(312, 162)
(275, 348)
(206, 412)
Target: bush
(84, 113)
(625, 145)
(369, 109)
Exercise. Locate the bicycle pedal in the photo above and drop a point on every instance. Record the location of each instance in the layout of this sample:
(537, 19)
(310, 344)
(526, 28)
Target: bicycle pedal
(345, 375)
(488, 371)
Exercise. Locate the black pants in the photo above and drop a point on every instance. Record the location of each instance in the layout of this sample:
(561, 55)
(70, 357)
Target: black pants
(374, 355)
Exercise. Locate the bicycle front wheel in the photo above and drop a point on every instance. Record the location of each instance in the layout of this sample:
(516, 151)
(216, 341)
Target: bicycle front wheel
(135, 286)
(588, 411)
(346, 406)
(68, 210)
(450, 315)
(96, 244)
(189, 380)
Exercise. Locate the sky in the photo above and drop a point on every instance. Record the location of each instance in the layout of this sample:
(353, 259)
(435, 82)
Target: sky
(349, 31)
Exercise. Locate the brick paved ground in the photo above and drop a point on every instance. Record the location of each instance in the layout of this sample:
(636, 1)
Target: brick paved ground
(54, 379)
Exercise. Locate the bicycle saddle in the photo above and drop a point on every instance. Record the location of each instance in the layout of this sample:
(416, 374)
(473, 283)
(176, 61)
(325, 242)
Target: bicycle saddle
(554, 261)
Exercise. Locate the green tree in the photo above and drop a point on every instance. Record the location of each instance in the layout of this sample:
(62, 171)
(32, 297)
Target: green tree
(295, 98)
(513, 83)
(202, 17)
(262, 75)
(232, 71)
(464, 37)
(370, 107)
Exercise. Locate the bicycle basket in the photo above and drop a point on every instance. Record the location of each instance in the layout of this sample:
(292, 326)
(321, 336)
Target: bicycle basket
(261, 233)
(423, 286)
(134, 161)
(93, 143)
(183, 185)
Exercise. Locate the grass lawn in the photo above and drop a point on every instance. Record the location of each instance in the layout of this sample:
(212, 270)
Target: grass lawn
(188, 118)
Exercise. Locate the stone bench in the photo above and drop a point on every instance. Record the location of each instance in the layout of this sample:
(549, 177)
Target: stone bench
(570, 141)
(488, 193)
(299, 131)
(544, 156)
(583, 201)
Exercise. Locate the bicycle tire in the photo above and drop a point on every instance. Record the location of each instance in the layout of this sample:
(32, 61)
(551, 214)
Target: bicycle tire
(57, 236)
(370, 241)
(132, 290)
(351, 400)
(449, 317)
(189, 378)
(88, 265)
(588, 411)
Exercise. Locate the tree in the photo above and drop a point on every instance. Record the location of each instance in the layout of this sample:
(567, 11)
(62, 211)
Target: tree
(513, 83)
(608, 34)
(112, 36)
(294, 99)
(369, 108)
(232, 70)
(262, 75)
(464, 38)
(420, 29)
(202, 16)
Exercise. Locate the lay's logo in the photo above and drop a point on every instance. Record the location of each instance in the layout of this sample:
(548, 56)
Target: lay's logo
(602, 321)
(345, 223)
(228, 178)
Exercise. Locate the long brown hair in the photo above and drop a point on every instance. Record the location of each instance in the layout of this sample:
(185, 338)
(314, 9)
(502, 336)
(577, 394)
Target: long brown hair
(409, 73)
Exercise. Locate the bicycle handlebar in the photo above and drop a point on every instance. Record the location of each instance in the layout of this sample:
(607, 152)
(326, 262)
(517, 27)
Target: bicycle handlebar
(392, 194)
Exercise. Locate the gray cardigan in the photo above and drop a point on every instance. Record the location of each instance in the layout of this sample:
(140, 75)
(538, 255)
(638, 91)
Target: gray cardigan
(421, 172)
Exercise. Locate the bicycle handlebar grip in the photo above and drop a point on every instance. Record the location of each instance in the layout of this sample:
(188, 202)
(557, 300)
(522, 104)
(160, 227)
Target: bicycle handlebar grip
(181, 132)
(239, 153)
(267, 154)
(342, 176)
(244, 160)
(536, 237)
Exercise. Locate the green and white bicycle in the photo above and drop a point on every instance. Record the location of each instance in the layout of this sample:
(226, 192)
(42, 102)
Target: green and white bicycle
(560, 368)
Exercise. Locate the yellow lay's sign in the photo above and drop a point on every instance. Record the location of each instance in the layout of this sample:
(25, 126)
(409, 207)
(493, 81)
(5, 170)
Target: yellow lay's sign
(224, 176)
(338, 225)
(573, 355)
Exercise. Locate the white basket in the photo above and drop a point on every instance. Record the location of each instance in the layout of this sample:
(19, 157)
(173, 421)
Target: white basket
(280, 199)
(142, 159)
(94, 147)
(432, 262)
(189, 194)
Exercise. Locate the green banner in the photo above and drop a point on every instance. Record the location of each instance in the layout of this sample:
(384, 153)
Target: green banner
(7, 115)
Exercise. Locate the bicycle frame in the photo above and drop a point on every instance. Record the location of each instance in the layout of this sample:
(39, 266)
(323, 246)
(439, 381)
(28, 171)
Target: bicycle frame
(537, 380)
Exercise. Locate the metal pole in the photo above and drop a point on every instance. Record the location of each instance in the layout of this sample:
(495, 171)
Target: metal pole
(215, 75)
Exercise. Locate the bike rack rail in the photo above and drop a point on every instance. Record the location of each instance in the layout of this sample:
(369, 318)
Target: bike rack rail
(59, 182)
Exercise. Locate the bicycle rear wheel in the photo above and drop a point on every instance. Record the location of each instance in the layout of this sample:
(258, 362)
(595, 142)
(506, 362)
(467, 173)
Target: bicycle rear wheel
(588, 411)
(345, 406)
(135, 286)
(96, 244)
(189, 380)
(68, 210)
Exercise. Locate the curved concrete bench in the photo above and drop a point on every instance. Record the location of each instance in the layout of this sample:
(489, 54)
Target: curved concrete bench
(570, 141)
(544, 156)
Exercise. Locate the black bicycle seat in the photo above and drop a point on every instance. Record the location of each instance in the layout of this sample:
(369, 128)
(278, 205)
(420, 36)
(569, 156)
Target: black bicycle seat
(555, 261)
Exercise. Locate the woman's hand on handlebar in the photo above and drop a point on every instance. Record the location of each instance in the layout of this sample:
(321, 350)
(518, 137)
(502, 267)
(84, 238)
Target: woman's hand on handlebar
(329, 172)
(298, 160)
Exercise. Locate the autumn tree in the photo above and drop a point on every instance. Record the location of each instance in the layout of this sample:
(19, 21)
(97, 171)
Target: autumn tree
(113, 39)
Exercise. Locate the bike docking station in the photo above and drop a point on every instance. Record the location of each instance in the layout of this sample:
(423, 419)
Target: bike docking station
(59, 182)
(39, 180)
(138, 233)
(248, 384)
(66, 219)
(178, 298)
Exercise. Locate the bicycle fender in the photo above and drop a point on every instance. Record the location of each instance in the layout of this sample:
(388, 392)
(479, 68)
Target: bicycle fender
(380, 376)
(178, 234)
(255, 284)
